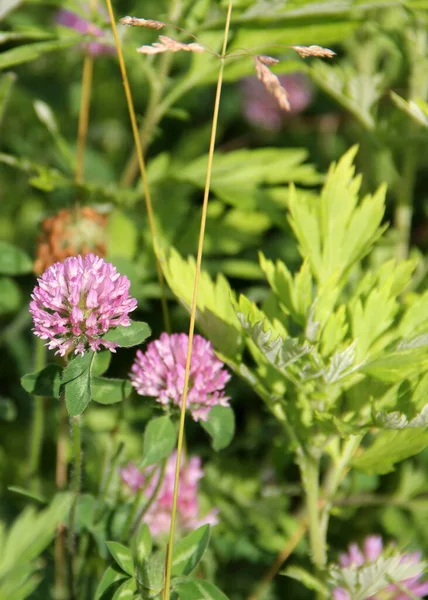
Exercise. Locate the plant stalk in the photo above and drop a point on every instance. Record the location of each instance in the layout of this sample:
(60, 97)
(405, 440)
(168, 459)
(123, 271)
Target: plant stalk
(170, 546)
(142, 166)
(75, 423)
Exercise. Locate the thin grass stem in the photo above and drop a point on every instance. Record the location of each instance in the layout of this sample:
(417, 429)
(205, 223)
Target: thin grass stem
(141, 164)
(170, 547)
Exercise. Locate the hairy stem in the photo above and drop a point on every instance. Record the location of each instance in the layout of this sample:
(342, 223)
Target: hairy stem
(141, 165)
(37, 427)
(168, 564)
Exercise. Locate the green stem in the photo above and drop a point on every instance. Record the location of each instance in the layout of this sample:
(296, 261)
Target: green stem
(37, 428)
(335, 477)
(137, 501)
(310, 470)
(170, 547)
(139, 517)
(404, 206)
(152, 116)
(75, 488)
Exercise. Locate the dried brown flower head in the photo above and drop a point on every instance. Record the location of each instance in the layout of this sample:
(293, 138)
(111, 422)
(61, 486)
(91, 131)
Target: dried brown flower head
(267, 60)
(271, 81)
(167, 44)
(305, 51)
(69, 233)
(137, 22)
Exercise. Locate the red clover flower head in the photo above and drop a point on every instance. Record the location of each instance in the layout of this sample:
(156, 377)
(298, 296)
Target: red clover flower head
(159, 373)
(158, 517)
(371, 551)
(79, 300)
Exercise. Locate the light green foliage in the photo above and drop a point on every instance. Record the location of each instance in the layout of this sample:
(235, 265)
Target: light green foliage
(22, 544)
(367, 581)
(330, 347)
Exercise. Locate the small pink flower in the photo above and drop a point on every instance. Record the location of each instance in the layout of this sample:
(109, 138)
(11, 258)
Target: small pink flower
(79, 300)
(71, 20)
(373, 547)
(261, 108)
(159, 372)
(158, 517)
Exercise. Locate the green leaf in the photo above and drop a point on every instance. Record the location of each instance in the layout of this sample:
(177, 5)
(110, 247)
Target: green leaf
(109, 391)
(216, 316)
(126, 591)
(6, 83)
(152, 574)
(29, 52)
(366, 581)
(77, 367)
(143, 544)
(76, 379)
(101, 362)
(110, 576)
(27, 493)
(43, 383)
(189, 551)
(130, 336)
(10, 295)
(123, 556)
(389, 448)
(7, 6)
(308, 580)
(221, 426)
(13, 260)
(78, 394)
(122, 235)
(397, 366)
(199, 590)
(159, 441)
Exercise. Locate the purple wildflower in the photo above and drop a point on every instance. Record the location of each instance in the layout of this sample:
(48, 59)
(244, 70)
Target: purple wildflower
(159, 373)
(158, 517)
(262, 109)
(372, 550)
(71, 20)
(78, 301)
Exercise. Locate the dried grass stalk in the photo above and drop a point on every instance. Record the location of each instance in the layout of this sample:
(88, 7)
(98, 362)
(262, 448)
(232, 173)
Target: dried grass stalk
(271, 82)
(305, 51)
(167, 44)
(137, 22)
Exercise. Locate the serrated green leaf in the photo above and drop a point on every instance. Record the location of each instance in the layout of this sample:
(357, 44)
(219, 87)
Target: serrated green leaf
(159, 441)
(127, 337)
(109, 391)
(189, 551)
(46, 382)
(199, 590)
(221, 426)
(307, 579)
(110, 576)
(123, 556)
(13, 260)
(389, 448)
